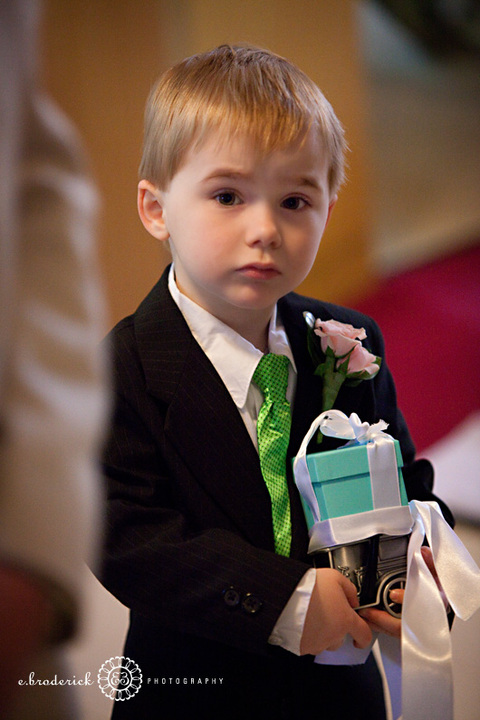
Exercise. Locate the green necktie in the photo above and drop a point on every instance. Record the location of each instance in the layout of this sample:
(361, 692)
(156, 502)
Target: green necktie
(273, 432)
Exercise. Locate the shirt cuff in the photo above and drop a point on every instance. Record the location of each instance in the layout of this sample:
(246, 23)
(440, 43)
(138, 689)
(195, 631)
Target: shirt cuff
(288, 629)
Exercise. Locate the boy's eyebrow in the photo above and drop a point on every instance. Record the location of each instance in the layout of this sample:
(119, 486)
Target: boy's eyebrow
(308, 181)
(226, 173)
(300, 181)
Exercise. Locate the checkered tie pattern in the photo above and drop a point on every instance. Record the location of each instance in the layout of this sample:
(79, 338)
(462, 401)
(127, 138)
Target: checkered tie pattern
(273, 433)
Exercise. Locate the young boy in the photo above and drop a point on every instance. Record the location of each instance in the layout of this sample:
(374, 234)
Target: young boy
(242, 162)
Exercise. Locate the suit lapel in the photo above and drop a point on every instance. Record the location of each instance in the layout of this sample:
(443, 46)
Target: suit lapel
(308, 395)
(202, 422)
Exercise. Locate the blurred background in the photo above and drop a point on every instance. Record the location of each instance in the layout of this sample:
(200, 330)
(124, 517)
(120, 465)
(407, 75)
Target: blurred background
(403, 244)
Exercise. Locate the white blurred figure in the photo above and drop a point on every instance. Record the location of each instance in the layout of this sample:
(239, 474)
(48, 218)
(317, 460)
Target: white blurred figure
(52, 384)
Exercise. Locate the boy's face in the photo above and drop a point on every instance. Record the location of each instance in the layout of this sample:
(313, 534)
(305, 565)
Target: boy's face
(244, 230)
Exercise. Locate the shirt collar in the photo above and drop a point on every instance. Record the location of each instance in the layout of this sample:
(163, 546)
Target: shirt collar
(234, 358)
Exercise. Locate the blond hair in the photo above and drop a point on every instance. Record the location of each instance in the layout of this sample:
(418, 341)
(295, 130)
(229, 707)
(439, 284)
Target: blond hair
(235, 90)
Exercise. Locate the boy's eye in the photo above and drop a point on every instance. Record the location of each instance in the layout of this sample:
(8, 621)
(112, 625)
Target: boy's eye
(293, 203)
(227, 198)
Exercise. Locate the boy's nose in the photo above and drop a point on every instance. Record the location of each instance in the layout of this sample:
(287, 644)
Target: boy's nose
(263, 227)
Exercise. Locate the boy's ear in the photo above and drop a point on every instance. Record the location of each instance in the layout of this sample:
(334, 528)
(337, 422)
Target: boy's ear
(150, 209)
(333, 202)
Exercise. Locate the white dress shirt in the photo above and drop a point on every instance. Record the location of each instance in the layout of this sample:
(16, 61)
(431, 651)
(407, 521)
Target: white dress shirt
(235, 360)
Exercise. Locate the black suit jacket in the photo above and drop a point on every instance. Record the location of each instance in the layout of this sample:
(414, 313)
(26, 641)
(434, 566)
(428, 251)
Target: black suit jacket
(190, 544)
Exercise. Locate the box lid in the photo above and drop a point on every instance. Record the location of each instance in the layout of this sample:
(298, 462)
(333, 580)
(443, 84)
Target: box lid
(343, 462)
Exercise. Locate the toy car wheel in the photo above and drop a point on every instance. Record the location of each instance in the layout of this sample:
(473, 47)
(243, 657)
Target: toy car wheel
(393, 608)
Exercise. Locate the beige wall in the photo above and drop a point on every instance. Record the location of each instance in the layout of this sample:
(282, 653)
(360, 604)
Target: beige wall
(100, 60)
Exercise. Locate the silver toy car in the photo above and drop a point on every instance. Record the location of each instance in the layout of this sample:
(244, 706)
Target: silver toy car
(375, 565)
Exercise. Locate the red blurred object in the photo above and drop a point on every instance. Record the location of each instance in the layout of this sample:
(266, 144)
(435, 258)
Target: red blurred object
(430, 318)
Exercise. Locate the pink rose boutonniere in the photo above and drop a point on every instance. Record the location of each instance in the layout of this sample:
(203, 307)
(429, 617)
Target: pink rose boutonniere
(339, 356)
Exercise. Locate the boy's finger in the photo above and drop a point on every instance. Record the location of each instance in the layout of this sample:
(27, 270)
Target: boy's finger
(397, 596)
(335, 645)
(360, 632)
(379, 620)
(350, 591)
(428, 557)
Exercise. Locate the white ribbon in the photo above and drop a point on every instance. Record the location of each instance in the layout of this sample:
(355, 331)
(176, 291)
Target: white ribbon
(353, 528)
(427, 681)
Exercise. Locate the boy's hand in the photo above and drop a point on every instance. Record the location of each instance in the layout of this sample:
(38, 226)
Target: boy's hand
(381, 621)
(330, 615)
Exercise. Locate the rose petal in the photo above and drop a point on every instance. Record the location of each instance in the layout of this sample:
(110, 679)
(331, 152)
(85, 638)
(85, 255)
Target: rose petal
(361, 360)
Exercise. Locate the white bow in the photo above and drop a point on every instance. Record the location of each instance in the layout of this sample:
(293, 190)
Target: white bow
(336, 424)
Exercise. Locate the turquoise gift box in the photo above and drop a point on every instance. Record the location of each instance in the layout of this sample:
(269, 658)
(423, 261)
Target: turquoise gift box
(341, 481)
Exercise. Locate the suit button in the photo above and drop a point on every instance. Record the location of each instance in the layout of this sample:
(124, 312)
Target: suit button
(231, 597)
(251, 604)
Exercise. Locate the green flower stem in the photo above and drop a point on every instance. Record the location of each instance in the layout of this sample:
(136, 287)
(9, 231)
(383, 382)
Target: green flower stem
(332, 382)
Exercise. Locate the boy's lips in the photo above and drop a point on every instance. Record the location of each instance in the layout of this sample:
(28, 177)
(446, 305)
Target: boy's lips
(257, 271)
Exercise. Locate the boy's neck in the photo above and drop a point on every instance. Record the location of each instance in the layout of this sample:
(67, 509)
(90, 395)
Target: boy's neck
(252, 325)
(252, 328)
